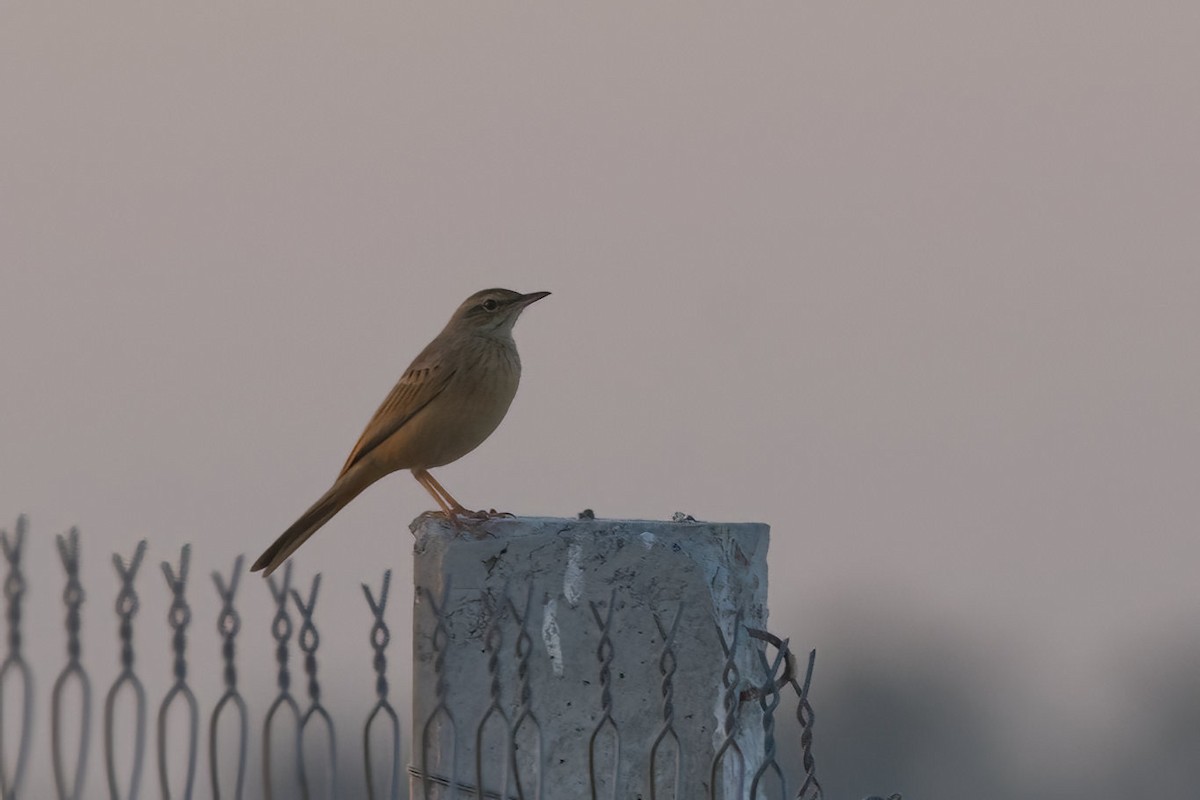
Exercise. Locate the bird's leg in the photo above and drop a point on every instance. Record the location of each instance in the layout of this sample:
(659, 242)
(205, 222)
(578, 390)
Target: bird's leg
(426, 480)
(453, 509)
(458, 507)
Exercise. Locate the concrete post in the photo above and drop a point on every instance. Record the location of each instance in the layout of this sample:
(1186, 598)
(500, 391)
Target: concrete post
(575, 573)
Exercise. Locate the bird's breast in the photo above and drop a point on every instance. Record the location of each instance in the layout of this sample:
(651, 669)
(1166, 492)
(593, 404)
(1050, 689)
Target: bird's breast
(468, 410)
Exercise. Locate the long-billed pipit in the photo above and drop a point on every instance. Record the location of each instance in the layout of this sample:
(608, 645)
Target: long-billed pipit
(447, 402)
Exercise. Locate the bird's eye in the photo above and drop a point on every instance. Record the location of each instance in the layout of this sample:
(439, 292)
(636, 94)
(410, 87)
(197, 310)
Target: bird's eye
(490, 305)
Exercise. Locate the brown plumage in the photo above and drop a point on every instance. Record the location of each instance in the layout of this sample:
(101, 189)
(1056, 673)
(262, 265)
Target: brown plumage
(451, 398)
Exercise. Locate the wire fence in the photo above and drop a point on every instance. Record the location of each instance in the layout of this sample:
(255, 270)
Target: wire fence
(515, 767)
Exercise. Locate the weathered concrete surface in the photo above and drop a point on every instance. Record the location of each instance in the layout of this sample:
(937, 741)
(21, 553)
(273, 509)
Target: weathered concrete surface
(715, 569)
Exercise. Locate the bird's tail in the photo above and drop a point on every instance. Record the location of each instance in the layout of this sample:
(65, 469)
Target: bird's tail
(349, 486)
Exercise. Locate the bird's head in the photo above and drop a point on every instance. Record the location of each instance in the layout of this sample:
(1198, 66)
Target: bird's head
(493, 311)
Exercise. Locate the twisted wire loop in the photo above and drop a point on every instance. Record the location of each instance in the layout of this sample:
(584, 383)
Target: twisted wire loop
(666, 731)
(179, 616)
(228, 625)
(524, 717)
(380, 636)
(309, 641)
(127, 606)
(768, 701)
(810, 789)
(604, 654)
(440, 717)
(14, 661)
(73, 596)
(281, 631)
(730, 678)
(493, 642)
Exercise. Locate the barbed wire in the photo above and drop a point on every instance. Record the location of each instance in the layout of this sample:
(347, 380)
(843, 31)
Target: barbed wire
(524, 718)
(380, 636)
(73, 597)
(14, 661)
(768, 701)
(229, 623)
(731, 678)
(281, 632)
(309, 640)
(810, 788)
(493, 642)
(179, 616)
(666, 732)
(516, 752)
(441, 709)
(127, 607)
(605, 652)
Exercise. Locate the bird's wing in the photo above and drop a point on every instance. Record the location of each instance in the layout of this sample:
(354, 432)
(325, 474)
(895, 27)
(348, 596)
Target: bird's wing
(415, 390)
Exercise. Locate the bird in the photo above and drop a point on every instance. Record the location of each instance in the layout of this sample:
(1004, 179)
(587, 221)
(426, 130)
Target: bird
(449, 400)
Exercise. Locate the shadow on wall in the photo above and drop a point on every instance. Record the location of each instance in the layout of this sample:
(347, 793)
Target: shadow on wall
(921, 715)
(910, 721)
(1160, 704)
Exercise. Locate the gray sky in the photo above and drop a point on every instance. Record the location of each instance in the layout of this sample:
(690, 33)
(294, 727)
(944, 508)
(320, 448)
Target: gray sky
(916, 284)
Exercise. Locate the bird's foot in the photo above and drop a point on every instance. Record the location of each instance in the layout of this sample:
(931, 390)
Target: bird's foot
(466, 513)
(454, 518)
(465, 520)
(472, 521)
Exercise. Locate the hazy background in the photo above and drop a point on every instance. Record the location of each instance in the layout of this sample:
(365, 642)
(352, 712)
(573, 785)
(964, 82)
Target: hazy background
(915, 283)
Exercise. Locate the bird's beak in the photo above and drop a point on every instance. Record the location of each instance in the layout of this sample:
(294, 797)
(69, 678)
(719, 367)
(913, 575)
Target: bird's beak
(532, 297)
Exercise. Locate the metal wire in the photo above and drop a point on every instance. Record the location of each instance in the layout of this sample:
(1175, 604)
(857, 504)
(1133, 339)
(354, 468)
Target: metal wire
(604, 653)
(14, 661)
(810, 789)
(228, 625)
(441, 710)
(127, 607)
(467, 789)
(768, 701)
(179, 616)
(516, 720)
(309, 640)
(493, 641)
(524, 717)
(281, 631)
(666, 731)
(73, 596)
(380, 636)
(730, 679)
